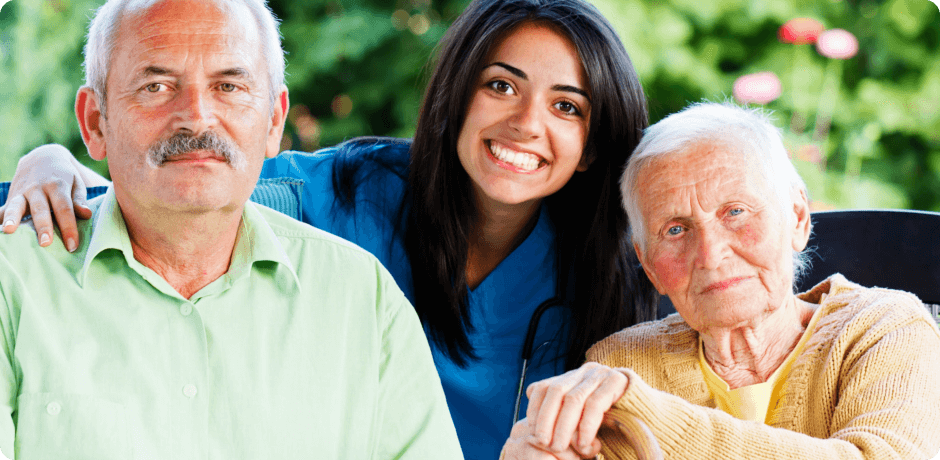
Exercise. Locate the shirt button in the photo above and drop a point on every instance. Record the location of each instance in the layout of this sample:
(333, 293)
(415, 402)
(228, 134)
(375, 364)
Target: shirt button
(53, 408)
(186, 309)
(189, 391)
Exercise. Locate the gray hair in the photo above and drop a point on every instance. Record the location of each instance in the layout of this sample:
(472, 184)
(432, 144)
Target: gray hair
(102, 33)
(750, 128)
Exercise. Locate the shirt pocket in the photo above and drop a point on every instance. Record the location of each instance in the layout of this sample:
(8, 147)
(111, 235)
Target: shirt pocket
(70, 426)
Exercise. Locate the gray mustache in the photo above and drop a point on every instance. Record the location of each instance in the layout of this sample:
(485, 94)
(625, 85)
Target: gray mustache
(182, 143)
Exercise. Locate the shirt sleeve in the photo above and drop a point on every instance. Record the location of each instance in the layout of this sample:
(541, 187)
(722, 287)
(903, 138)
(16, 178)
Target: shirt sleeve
(877, 413)
(413, 418)
(8, 382)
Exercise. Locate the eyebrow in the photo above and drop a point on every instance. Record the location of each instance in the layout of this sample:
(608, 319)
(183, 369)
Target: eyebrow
(237, 72)
(519, 73)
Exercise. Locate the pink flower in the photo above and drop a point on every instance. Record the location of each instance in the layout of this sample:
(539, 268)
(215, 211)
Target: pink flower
(837, 44)
(757, 88)
(800, 31)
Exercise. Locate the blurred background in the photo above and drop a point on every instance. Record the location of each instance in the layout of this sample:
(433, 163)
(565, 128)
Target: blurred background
(854, 84)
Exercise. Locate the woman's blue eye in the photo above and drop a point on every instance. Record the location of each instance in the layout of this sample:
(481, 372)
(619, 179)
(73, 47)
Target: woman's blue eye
(674, 230)
(735, 211)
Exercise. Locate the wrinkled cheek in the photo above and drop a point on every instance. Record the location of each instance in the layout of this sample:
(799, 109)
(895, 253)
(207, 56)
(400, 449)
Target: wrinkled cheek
(672, 273)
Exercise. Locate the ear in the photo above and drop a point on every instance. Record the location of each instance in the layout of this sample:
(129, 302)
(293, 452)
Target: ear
(278, 120)
(645, 265)
(802, 227)
(90, 121)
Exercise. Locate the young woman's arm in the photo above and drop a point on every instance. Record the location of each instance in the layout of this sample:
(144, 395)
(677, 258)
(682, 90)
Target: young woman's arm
(49, 182)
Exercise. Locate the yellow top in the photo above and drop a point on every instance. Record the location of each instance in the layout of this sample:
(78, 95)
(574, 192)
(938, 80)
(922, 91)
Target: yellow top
(753, 402)
(864, 386)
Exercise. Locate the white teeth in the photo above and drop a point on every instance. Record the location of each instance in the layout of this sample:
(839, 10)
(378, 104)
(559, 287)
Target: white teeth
(521, 160)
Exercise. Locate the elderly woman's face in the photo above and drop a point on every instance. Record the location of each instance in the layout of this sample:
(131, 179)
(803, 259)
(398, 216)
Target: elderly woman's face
(717, 242)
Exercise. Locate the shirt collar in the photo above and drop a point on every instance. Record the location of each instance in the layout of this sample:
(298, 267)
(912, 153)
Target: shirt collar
(255, 242)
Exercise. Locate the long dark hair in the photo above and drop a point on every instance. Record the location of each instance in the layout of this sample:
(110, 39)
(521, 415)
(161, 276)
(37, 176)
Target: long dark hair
(606, 290)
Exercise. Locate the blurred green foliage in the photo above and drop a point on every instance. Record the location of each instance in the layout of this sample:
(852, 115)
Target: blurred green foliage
(358, 67)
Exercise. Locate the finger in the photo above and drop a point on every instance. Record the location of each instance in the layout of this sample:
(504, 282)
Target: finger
(572, 408)
(60, 199)
(79, 199)
(609, 391)
(13, 213)
(548, 413)
(42, 217)
(536, 393)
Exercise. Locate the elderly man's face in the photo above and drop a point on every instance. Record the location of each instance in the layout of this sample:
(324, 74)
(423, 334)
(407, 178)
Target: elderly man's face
(189, 115)
(717, 243)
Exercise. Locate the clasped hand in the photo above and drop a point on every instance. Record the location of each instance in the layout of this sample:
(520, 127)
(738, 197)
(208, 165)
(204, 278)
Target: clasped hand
(565, 413)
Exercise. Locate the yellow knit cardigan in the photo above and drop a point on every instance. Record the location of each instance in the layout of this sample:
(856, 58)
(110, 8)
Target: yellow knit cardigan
(866, 386)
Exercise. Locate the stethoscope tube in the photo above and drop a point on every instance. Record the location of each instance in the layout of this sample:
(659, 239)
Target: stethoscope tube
(528, 350)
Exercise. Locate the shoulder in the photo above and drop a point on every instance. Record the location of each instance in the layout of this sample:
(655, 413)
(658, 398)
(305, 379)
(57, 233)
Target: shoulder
(359, 151)
(853, 310)
(648, 340)
(291, 232)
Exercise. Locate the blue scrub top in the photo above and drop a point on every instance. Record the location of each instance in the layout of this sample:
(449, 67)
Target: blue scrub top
(481, 396)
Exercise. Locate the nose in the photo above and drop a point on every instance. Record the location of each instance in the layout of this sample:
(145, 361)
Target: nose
(195, 111)
(526, 120)
(712, 247)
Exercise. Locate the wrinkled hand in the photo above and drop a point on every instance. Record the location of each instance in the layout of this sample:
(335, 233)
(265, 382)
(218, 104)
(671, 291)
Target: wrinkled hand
(46, 179)
(519, 446)
(566, 411)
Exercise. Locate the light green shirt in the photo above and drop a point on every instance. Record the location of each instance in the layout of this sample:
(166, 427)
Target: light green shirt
(305, 349)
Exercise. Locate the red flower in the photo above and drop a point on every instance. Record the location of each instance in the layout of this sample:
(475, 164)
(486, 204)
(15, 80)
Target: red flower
(800, 31)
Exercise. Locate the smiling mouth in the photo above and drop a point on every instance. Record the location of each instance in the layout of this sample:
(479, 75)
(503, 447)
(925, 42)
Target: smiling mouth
(722, 285)
(519, 161)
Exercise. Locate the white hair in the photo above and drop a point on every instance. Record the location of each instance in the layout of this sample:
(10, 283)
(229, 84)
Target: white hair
(759, 141)
(103, 30)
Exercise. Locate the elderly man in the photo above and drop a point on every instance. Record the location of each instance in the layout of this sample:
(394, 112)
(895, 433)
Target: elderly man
(747, 369)
(189, 324)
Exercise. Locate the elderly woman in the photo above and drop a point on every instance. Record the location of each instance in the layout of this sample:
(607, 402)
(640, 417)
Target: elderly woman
(747, 369)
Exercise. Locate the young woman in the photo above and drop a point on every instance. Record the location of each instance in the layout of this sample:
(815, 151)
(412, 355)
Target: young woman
(506, 199)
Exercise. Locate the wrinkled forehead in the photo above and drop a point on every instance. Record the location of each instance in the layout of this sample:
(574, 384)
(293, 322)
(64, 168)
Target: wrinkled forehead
(145, 23)
(713, 166)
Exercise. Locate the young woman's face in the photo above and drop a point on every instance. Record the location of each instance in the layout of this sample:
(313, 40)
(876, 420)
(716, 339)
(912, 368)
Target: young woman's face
(527, 121)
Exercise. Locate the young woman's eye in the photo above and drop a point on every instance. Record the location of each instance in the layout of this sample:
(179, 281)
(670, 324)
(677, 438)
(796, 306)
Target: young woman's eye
(501, 86)
(568, 108)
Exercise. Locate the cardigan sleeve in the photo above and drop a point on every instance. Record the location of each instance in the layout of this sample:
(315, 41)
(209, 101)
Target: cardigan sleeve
(887, 406)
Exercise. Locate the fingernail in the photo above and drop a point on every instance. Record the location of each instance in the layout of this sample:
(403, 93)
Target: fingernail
(71, 244)
(8, 223)
(44, 239)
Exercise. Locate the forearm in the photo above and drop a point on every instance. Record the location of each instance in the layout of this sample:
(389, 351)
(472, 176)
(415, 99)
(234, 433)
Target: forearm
(877, 415)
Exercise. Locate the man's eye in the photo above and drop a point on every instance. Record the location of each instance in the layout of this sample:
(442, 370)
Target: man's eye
(227, 87)
(675, 230)
(153, 87)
